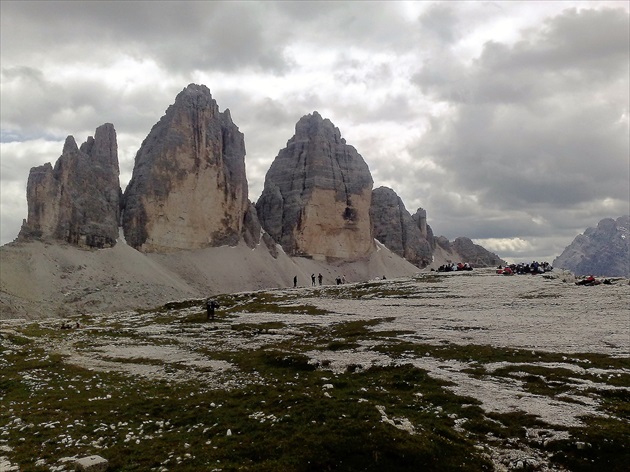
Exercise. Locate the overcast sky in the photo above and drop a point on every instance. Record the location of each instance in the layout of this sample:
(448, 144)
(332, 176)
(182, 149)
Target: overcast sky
(507, 121)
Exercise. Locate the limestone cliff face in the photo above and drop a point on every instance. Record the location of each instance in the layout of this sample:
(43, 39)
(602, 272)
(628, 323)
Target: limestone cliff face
(317, 195)
(188, 188)
(604, 250)
(77, 201)
(397, 230)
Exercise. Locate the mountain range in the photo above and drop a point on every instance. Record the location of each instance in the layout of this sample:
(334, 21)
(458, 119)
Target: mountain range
(189, 193)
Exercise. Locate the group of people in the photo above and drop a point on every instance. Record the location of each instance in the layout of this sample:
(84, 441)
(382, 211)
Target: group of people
(452, 267)
(521, 268)
(319, 279)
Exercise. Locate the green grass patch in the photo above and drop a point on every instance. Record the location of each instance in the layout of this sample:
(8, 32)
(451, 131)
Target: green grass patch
(284, 410)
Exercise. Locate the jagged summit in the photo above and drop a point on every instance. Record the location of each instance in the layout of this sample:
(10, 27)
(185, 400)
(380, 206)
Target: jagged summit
(398, 230)
(317, 194)
(188, 189)
(197, 97)
(78, 201)
(604, 250)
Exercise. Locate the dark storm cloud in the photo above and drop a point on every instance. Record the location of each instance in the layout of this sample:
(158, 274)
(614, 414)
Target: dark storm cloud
(182, 36)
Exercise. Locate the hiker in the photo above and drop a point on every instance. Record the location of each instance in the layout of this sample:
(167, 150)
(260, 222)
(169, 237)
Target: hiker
(320, 278)
(210, 306)
(295, 281)
(313, 280)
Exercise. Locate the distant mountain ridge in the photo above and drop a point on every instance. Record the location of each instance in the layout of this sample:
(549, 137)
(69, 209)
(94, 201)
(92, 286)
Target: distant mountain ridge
(601, 251)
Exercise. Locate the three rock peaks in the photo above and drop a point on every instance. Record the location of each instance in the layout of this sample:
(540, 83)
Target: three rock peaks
(189, 190)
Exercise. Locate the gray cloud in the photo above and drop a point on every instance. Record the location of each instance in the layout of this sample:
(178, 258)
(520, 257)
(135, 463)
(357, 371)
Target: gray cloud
(524, 136)
(536, 128)
(181, 36)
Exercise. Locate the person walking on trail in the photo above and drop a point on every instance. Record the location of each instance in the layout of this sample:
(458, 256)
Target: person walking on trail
(320, 278)
(210, 306)
(313, 280)
(295, 281)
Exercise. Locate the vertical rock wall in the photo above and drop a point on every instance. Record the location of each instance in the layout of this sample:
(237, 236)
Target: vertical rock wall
(77, 201)
(396, 229)
(317, 195)
(188, 189)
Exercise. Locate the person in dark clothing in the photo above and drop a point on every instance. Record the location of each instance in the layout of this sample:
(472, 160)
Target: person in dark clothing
(313, 280)
(210, 306)
(320, 278)
(295, 281)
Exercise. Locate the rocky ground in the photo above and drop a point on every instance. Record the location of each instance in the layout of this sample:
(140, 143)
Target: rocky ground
(466, 371)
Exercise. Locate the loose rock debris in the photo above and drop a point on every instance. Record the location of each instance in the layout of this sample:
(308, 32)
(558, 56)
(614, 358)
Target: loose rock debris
(557, 360)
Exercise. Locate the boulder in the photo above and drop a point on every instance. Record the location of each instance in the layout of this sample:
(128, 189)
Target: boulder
(91, 464)
(317, 195)
(602, 251)
(77, 201)
(188, 188)
(394, 227)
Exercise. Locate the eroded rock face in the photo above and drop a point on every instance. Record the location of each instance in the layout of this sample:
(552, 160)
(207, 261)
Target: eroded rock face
(420, 219)
(317, 195)
(77, 201)
(188, 189)
(396, 229)
(603, 251)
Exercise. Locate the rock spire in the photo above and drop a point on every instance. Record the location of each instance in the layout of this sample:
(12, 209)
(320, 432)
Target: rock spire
(317, 194)
(188, 189)
(398, 230)
(77, 201)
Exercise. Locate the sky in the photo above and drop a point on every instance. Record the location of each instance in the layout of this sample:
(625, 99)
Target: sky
(508, 122)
